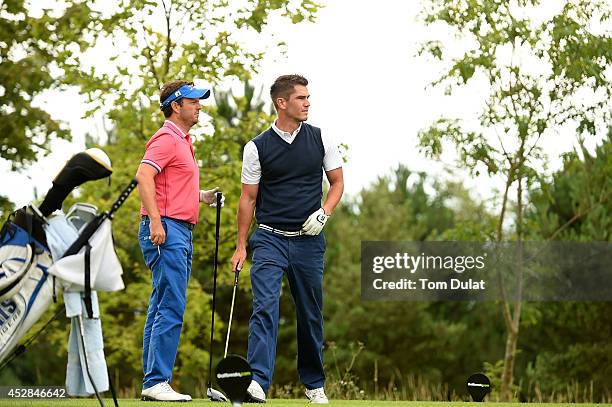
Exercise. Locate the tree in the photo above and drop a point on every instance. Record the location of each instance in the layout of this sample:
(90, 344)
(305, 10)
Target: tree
(150, 42)
(25, 73)
(26, 66)
(573, 205)
(401, 338)
(155, 42)
(537, 74)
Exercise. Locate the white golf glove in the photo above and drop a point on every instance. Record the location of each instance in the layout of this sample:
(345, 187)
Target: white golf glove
(315, 222)
(208, 196)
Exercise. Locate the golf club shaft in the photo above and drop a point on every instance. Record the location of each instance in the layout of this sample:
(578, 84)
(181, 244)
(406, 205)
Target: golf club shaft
(218, 196)
(229, 325)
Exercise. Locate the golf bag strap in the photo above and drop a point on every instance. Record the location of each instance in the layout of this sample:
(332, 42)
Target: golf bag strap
(110, 382)
(7, 229)
(30, 229)
(87, 298)
(29, 222)
(54, 292)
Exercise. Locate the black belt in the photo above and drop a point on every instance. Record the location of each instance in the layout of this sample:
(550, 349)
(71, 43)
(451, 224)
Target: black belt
(188, 225)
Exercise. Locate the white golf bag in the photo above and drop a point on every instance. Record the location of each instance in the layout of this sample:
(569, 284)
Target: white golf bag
(42, 256)
(26, 288)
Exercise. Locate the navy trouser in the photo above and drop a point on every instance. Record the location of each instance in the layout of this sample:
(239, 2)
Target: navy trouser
(170, 265)
(301, 257)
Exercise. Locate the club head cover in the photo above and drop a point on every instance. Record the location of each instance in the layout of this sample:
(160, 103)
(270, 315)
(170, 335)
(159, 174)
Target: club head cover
(88, 165)
(233, 375)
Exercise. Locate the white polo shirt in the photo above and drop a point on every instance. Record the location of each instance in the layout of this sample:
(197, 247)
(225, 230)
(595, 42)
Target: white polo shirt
(251, 167)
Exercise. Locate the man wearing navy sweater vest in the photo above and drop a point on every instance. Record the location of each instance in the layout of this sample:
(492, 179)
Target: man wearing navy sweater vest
(282, 179)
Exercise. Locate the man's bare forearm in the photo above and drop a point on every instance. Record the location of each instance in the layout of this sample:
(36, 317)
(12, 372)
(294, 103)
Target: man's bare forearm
(246, 206)
(333, 196)
(146, 190)
(336, 188)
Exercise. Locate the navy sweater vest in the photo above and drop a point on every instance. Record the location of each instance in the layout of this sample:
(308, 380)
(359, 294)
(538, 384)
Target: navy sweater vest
(290, 188)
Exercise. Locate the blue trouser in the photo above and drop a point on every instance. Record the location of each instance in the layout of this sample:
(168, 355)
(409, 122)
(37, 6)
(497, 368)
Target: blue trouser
(170, 265)
(301, 258)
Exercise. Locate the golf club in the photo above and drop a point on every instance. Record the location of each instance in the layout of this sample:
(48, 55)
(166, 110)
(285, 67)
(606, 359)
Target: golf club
(214, 395)
(234, 373)
(229, 326)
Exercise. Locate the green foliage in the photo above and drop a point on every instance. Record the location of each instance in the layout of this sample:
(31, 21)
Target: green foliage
(26, 63)
(573, 343)
(574, 204)
(537, 74)
(541, 74)
(429, 340)
(285, 403)
(341, 382)
(419, 349)
(571, 347)
(199, 39)
(6, 207)
(152, 42)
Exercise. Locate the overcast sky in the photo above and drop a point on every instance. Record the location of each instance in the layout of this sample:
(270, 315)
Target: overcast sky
(368, 90)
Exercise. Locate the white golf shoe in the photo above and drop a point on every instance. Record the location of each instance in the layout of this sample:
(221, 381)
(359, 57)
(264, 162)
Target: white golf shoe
(317, 396)
(163, 392)
(255, 393)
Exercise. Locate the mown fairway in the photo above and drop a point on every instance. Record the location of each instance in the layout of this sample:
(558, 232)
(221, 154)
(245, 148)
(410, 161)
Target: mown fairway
(275, 403)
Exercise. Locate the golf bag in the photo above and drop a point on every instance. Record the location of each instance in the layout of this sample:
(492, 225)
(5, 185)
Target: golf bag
(41, 257)
(26, 288)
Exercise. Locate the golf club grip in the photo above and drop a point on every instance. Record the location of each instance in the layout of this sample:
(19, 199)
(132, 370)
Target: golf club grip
(124, 195)
(236, 274)
(218, 197)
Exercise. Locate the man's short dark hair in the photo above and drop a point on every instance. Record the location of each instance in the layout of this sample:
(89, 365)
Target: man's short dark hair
(168, 89)
(283, 86)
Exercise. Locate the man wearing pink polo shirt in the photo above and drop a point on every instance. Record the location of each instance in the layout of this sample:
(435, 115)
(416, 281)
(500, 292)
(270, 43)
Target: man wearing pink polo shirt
(169, 187)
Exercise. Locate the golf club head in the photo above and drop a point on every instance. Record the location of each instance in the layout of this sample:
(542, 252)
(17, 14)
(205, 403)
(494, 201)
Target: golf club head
(478, 385)
(88, 165)
(215, 395)
(234, 375)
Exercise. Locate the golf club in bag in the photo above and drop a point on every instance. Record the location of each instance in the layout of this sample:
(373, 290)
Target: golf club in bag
(90, 262)
(25, 254)
(35, 266)
(214, 395)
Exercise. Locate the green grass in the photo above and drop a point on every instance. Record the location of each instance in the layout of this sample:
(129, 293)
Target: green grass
(275, 403)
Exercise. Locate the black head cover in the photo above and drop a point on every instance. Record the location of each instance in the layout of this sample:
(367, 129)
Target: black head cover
(86, 166)
(478, 386)
(234, 375)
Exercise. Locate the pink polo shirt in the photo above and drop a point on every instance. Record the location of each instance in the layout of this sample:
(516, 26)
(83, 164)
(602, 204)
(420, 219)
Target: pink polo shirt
(177, 183)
